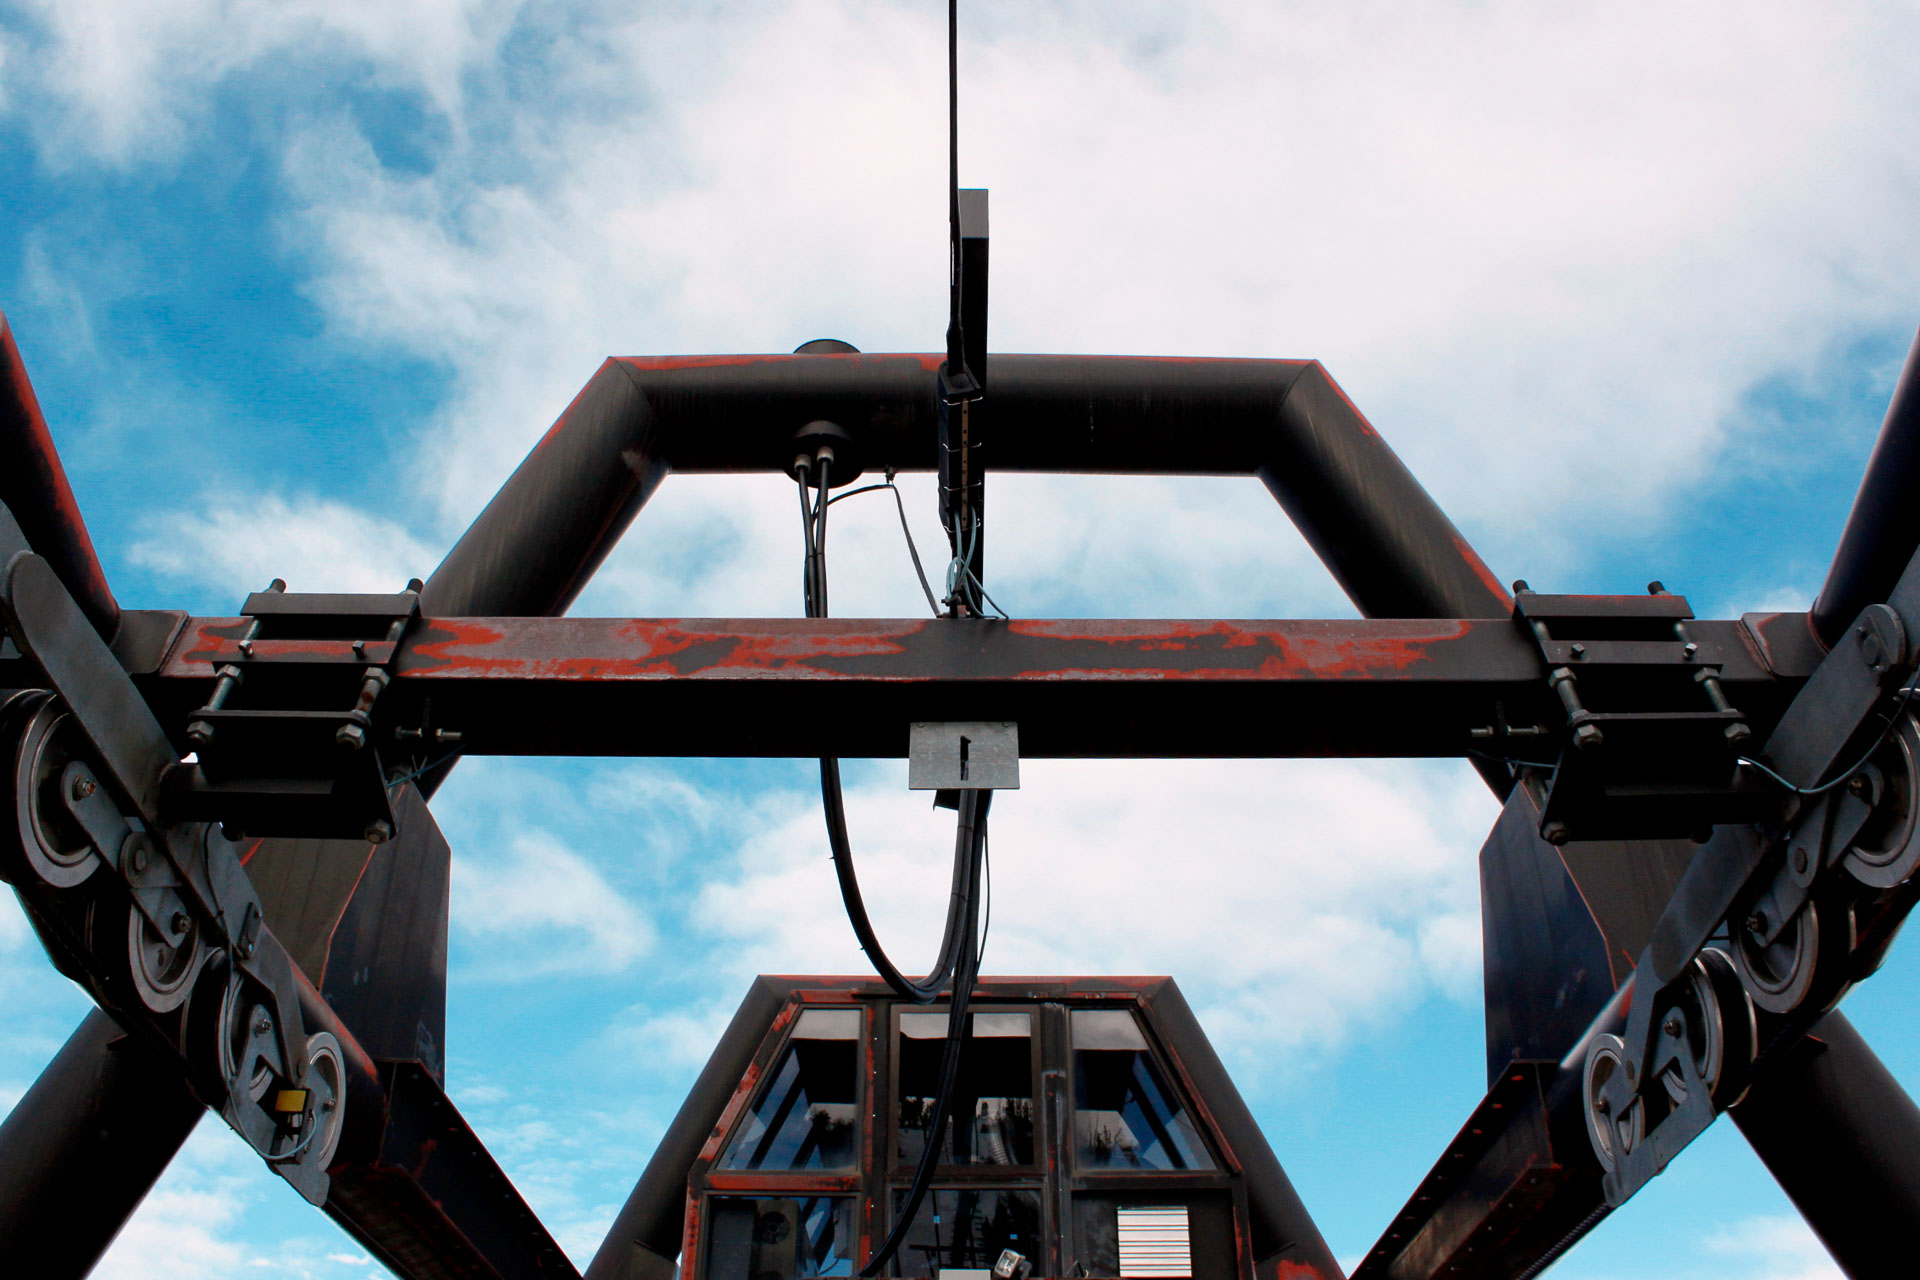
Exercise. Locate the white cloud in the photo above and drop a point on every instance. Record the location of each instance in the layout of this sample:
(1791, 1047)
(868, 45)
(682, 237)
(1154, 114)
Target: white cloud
(128, 79)
(313, 543)
(1774, 1248)
(1550, 278)
(1295, 901)
(204, 1218)
(542, 909)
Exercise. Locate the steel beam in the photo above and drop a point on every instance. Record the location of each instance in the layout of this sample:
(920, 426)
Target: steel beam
(850, 687)
(1285, 421)
(1883, 528)
(81, 1150)
(34, 485)
(1843, 1138)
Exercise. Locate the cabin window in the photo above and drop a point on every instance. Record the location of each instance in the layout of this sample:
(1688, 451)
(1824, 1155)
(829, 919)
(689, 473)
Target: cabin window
(1126, 1116)
(991, 1117)
(779, 1237)
(965, 1230)
(808, 1115)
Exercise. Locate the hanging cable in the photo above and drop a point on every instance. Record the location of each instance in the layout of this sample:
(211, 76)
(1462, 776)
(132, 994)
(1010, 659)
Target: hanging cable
(833, 800)
(958, 960)
(972, 836)
(900, 505)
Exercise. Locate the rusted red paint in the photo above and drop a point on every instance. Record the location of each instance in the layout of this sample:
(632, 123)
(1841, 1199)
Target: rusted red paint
(1297, 1271)
(202, 642)
(648, 648)
(1319, 649)
(1478, 567)
(749, 1084)
(927, 361)
(1359, 418)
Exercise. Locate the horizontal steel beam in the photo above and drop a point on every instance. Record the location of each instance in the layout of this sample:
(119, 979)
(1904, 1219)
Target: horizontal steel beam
(851, 687)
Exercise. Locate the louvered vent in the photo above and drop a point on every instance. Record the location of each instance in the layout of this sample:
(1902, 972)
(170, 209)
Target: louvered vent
(1154, 1242)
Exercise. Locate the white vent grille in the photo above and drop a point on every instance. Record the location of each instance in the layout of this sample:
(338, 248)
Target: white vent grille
(1154, 1242)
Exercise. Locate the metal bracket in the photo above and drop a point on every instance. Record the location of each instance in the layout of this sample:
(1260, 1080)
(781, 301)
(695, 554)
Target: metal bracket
(299, 759)
(951, 756)
(1651, 737)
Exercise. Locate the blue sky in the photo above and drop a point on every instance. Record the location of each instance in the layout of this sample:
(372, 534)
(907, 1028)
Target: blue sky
(298, 283)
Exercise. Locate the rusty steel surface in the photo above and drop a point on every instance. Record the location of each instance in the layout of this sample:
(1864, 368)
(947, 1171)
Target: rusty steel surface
(851, 687)
(33, 484)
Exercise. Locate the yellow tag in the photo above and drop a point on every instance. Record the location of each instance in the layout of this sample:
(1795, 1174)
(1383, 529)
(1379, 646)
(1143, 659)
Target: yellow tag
(288, 1102)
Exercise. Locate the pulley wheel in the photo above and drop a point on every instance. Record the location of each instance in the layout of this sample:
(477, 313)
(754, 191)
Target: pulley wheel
(1887, 850)
(56, 848)
(238, 1009)
(1722, 1037)
(1612, 1136)
(326, 1085)
(162, 972)
(1809, 953)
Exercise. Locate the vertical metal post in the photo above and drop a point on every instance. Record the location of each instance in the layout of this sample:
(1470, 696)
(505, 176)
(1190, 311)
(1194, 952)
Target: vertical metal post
(81, 1150)
(1843, 1138)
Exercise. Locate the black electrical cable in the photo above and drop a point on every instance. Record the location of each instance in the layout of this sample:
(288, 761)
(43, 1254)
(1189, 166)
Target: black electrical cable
(971, 836)
(919, 571)
(833, 802)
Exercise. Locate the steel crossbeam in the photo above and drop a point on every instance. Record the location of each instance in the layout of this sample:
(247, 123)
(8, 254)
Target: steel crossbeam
(850, 687)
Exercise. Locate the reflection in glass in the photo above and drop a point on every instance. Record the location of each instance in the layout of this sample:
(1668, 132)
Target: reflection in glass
(779, 1238)
(968, 1229)
(1125, 1116)
(807, 1116)
(992, 1113)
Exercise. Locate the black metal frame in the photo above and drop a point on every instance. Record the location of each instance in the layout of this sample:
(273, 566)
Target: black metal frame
(1446, 664)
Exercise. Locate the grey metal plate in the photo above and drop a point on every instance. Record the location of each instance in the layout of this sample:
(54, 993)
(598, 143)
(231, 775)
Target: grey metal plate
(963, 755)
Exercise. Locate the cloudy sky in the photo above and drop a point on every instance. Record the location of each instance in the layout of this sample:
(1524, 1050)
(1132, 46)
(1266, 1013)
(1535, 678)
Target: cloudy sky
(299, 282)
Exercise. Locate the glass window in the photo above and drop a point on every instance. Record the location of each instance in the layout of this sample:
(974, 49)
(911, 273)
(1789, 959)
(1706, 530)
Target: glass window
(1125, 1115)
(807, 1117)
(967, 1230)
(992, 1114)
(779, 1237)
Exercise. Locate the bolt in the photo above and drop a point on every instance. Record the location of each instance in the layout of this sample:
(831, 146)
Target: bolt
(350, 736)
(262, 1024)
(246, 648)
(1656, 588)
(1578, 651)
(142, 855)
(1603, 1107)
(181, 922)
(83, 787)
(1738, 732)
(1757, 923)
(379, 831)
(1688, 649)
(277, 585)
(1588, 736)
(1672, 1026)
(330, 1104)
(1857, 785)
(1520, 587)
(1555, 833)
(359, 648)
(200, 734)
